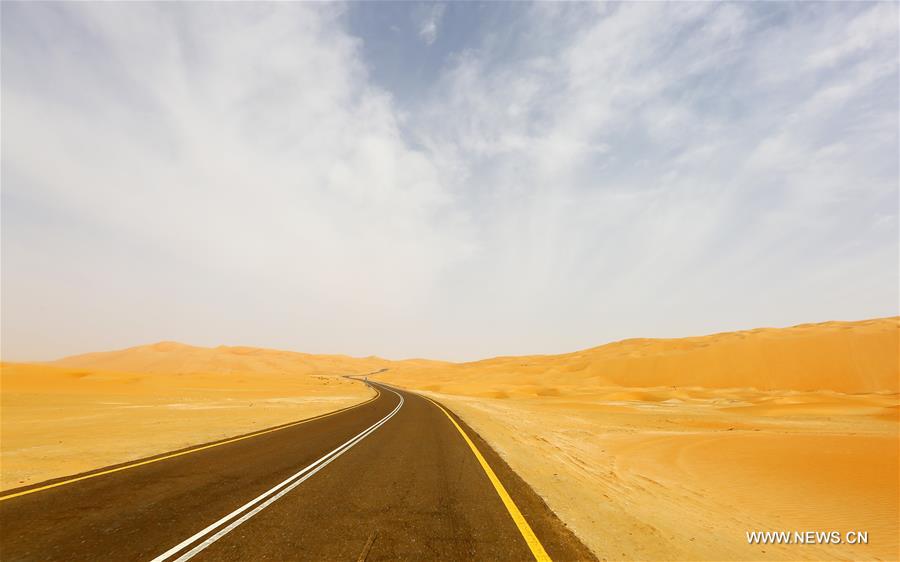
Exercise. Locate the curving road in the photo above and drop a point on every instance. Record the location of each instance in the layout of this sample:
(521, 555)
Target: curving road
(395, 478)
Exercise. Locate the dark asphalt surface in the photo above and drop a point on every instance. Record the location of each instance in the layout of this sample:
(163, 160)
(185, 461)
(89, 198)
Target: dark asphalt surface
(411, 490)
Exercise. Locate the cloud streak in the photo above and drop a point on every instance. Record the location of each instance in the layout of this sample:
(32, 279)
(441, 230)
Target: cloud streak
(232, 174)
(428, 30)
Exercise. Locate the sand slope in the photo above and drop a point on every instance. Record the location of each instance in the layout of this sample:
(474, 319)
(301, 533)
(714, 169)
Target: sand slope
(674, 449)
(846, 357)
(178, 358)
(98, 409)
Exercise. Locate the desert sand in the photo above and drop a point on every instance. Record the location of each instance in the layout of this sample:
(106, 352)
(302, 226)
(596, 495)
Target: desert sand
(674, 449)
(99, 409)
(648, 449)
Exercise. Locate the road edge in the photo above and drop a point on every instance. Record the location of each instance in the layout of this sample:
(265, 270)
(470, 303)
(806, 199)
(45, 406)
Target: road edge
(100, 471)
(558, 537)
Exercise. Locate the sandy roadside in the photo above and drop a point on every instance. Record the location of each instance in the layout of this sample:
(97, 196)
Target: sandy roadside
(675, 449)
(60, 421)
(645, 480)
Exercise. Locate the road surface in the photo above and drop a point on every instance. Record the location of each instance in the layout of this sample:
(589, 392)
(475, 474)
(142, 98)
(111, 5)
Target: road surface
(395, 478)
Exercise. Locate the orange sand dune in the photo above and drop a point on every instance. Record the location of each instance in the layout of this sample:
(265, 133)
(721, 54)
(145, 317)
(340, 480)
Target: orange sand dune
(174, 358)
(846, 357)
(674, 449)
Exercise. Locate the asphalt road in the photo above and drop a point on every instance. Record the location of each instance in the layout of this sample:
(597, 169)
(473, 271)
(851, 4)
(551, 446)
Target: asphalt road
(396, 478)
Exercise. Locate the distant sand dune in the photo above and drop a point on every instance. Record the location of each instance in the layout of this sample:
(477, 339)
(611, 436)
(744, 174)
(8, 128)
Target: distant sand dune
(846, 357)
(673, 449)
(178, 358)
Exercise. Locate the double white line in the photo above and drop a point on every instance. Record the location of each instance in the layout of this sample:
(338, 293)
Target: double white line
(266, 499)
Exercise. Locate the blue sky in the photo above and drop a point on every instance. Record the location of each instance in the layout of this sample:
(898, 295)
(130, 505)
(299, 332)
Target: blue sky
(452, 181)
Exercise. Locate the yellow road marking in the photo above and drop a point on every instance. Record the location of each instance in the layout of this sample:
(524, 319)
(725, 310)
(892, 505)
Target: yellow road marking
(537, 549)
(173, 455)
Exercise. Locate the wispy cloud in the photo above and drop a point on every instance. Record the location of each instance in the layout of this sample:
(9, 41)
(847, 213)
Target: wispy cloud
(428, 29)
(709, 164)
(230, 173)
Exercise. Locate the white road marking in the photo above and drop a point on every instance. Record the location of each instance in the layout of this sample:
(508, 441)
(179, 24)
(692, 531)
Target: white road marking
(286, 486)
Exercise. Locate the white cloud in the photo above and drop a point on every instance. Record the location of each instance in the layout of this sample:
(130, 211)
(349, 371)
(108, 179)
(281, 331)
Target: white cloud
(254, 146)
(230, 173)
(428, 29)
(716, 180)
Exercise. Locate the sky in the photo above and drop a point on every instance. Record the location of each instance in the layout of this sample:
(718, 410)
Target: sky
(452, 181)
